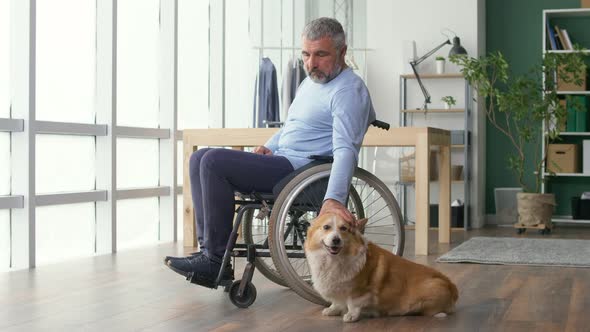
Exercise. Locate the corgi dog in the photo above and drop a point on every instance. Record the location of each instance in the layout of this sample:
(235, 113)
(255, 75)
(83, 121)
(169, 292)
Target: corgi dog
(359, 277)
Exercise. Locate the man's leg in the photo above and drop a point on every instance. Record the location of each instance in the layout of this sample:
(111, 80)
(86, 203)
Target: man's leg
(222, 171)
(194, 167)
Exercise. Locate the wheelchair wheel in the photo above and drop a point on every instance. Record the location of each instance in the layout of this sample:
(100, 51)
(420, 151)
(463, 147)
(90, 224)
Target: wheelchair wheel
(300, 202)
(256, 232)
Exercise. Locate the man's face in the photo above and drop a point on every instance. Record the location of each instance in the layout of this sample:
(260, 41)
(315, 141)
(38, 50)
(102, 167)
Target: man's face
(321, 59)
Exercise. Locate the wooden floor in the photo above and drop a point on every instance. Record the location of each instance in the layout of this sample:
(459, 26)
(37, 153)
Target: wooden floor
(133, 291)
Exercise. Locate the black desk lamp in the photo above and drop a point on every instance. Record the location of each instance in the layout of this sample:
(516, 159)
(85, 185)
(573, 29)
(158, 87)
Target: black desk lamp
(456, 49)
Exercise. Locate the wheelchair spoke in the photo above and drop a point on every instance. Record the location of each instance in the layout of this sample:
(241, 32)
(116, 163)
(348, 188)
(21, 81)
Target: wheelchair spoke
(373, 222)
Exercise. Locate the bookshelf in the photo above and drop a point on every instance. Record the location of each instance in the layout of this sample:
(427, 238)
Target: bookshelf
(458, 115)
(566, 185)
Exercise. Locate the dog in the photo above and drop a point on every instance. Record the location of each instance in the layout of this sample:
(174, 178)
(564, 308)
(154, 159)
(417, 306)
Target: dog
(359, 277)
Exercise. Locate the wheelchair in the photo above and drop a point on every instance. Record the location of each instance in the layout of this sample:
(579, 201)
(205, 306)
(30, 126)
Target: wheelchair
(274, 227)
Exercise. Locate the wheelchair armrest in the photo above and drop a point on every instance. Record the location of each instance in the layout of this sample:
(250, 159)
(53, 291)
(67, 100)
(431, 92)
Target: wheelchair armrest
(328, 159)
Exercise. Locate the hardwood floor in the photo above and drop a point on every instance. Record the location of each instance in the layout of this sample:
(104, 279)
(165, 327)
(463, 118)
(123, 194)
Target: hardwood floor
(133, 291)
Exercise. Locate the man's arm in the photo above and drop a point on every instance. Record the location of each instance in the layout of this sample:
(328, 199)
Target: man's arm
(271, 145)
(351, 113)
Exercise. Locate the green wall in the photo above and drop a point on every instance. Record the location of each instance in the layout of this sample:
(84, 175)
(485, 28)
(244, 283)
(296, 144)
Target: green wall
(514, 27)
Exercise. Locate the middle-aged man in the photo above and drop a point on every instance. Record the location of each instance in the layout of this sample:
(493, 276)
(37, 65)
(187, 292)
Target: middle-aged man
(329, 116)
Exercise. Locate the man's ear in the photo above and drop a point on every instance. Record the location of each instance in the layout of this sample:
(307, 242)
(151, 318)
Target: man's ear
(360, 224)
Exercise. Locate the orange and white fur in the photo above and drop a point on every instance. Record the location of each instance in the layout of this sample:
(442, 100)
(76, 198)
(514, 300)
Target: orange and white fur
(358, 277)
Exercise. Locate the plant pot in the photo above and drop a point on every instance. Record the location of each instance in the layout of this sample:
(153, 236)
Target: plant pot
(535, 209)
(440, 66)
(447, 106)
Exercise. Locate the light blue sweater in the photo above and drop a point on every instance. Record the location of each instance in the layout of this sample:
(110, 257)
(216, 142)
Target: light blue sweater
(327, 119)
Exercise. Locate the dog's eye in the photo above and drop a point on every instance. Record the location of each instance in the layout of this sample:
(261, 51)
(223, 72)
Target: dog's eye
(326, 227)
(343, 228)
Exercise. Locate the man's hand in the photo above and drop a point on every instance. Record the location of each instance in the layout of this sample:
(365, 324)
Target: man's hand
(333, 206)
(262, 150)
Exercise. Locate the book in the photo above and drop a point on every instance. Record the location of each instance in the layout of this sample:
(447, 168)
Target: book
(570, 122)
(559, 39)
(577, 107)
(551, 36)
(568, 41)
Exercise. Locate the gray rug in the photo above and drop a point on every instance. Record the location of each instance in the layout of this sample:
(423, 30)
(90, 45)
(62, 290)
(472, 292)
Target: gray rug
(520, 251)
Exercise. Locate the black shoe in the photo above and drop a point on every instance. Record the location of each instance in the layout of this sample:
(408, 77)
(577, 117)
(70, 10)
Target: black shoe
(200, 269)
(167, 258)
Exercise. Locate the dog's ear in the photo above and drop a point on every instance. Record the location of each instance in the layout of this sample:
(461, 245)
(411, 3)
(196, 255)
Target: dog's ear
(360, 224)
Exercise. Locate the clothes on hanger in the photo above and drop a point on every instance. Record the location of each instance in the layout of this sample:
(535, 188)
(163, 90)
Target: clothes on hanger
(293, 75)
(266, 95)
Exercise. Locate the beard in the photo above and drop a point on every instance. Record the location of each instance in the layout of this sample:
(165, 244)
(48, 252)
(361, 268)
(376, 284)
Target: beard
(320, 77)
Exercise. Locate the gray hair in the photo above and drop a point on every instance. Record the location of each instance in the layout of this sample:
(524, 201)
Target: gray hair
(325, 27)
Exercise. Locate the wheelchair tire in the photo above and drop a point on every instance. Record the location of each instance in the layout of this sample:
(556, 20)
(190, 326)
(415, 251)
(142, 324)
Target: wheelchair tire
(263, 264)
(246, 299)
(376, 203)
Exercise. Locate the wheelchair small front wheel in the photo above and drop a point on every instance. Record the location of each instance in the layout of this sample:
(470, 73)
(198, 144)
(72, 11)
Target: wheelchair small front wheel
(246, 299)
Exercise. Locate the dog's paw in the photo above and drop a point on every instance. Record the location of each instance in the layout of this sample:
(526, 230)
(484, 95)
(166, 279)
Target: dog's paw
(332, 311)
(351, 317)
(440, 315)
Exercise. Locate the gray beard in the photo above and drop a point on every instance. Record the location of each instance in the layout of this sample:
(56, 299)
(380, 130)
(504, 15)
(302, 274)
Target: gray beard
(328, 78)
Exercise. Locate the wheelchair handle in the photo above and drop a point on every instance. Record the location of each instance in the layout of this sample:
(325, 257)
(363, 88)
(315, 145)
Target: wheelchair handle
(380, 124)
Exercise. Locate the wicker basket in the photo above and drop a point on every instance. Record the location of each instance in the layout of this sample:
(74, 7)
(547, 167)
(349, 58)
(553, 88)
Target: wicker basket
(408, 167)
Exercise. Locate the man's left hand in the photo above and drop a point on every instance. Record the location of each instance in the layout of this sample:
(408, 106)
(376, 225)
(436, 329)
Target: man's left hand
(333, 206)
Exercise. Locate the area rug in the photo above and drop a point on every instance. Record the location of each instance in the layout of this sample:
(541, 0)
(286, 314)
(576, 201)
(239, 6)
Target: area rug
(521, 251)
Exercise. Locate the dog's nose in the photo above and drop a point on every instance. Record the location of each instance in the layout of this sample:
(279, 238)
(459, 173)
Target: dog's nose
(336, 241)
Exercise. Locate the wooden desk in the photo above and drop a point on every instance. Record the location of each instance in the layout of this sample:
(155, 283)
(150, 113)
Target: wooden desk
(421, 138)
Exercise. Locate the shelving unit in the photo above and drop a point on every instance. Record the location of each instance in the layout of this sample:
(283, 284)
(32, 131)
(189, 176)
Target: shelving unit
(465, 114)
(549, 15)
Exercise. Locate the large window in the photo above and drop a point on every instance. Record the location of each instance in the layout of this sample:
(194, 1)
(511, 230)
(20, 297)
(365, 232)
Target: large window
(137, 63)
(240, 65)
(4, 59)
(137, 163)
(65, 163)
(4, 240)
(138, 222)
(66, 60)
(4, 98)
(193, 64)
(65, 232)
(4, 164)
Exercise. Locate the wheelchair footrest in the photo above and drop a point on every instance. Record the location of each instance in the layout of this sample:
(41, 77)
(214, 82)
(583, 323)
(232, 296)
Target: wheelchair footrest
(206, 282)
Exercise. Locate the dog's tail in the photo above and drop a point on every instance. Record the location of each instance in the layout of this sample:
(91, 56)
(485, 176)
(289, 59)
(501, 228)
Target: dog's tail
(452, 287)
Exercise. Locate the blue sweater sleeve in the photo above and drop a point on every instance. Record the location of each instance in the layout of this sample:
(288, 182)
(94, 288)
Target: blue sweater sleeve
(273, 143)
(351, 112)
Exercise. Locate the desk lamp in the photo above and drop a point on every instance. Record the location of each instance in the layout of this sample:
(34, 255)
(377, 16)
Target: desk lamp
(456, 49)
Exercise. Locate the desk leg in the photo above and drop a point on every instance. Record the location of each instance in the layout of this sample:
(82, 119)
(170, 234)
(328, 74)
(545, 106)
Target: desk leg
(188, 219)
(444, 206)
(422, 193)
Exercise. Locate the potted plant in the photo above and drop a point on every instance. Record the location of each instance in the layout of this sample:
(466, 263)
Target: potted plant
(449, 101)
(440, 65)
(518, 106)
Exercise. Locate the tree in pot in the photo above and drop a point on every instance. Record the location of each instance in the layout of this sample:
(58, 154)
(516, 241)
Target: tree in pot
(518, 105)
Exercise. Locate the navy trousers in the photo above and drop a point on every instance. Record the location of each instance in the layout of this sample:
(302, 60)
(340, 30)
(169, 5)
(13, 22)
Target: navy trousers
(215, 175)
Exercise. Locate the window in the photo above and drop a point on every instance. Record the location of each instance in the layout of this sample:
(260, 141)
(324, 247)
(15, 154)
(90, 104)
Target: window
(137, 163)
(65, 232)
(5, 164)
(193, 64)
(65, 163)
(138, 222)
(5, 58)
(241, 65)
(4, 240)
(137, 63)
(66, 60)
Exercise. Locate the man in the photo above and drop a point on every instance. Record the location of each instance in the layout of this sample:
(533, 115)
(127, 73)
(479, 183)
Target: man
(329, 116)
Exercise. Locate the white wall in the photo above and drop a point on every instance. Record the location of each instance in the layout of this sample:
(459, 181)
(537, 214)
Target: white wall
(389, 24)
